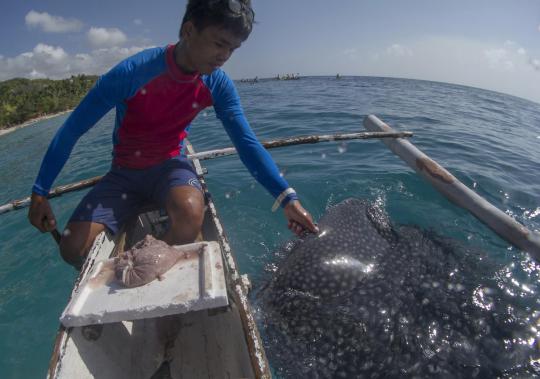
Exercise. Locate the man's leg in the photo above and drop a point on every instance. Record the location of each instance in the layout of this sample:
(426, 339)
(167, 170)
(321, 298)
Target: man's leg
(178, 190)
(185, 207)
(77, 240)
(107, 206)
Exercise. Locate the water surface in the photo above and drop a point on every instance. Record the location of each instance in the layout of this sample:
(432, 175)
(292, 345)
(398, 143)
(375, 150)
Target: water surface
(490, 141)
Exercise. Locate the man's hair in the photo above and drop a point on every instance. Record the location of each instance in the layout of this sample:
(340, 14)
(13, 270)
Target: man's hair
(234, 15)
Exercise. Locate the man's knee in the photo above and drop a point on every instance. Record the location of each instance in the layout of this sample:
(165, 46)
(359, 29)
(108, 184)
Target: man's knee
(185, 205)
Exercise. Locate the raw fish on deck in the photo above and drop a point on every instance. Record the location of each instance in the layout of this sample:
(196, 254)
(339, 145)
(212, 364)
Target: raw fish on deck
(149, 259)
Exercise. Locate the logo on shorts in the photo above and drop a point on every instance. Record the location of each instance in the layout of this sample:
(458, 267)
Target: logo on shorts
(194, 182)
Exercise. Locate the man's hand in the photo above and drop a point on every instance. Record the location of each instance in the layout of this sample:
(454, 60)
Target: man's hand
(41, 214)
(299, 219)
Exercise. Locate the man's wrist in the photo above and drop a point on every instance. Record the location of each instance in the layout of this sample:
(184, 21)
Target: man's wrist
(37, 197)
(289, 199)
(39, 191)
(285, 197)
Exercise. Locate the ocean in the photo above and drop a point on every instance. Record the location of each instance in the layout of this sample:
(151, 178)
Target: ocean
(488, 140)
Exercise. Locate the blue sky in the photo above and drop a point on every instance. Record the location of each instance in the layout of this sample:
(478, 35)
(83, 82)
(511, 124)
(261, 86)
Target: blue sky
(491, 44)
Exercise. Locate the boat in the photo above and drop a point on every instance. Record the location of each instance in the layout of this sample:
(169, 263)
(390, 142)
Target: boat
(288, 77)
(219, 342)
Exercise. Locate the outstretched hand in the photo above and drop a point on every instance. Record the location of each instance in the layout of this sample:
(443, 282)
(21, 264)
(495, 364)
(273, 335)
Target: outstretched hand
(299, 219)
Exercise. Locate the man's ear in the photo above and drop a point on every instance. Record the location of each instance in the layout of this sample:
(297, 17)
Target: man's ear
(187, 30)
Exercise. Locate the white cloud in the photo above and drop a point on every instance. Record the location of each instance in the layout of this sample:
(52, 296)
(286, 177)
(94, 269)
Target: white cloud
(397, 50)
(350, 53)
(50, 52)
(509, 43)
(52, 24)
(36, 75)
(499, 58)
(505, 67)
(137, 21)
(106, 37)
(523, 56)
(46, 61)
(539, 27)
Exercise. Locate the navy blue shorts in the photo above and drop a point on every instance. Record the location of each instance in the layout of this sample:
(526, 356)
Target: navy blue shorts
(120, 194)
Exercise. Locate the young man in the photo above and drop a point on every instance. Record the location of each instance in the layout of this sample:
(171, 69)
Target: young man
(157, 93)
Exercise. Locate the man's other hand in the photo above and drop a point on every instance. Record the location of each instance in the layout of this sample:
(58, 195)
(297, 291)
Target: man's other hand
(41, 214)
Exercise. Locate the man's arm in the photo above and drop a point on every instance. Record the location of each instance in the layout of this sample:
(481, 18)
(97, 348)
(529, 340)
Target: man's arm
(99, 100)
(255, 157)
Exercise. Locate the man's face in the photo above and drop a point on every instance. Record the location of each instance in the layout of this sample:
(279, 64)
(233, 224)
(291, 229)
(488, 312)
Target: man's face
(209, 48)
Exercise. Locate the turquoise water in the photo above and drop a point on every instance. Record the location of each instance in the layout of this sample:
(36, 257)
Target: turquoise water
(490, 141)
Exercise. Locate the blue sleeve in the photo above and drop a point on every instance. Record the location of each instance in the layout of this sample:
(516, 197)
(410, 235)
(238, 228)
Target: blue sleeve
(109, 90)
(252, 154)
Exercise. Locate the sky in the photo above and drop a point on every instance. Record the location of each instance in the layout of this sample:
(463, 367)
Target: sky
(490, 44)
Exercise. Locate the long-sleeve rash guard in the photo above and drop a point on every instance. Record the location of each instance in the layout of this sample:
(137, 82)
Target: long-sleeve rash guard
(155, 104)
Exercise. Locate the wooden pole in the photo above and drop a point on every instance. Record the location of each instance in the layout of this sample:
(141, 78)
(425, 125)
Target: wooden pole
(455, 191)
(58, 191)
(210, 154)
(301, 140)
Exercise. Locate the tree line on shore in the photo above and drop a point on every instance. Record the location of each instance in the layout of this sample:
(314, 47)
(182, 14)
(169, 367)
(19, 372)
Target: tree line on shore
(24, 99)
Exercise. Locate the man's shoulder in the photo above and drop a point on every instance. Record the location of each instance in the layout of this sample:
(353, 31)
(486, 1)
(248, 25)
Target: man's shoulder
(124, 79)
(218, 80)
(145, 57)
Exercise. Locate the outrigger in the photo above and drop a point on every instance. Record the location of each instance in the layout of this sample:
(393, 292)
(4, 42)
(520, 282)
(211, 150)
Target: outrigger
(222, 341)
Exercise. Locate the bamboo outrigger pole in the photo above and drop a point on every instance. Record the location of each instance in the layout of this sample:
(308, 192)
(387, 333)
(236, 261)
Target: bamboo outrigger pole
(455, 191)
(301, 140)
(57, 191)
(210, 154)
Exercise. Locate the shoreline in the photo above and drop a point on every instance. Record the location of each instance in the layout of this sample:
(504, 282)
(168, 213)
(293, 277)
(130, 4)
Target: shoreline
(31, 122)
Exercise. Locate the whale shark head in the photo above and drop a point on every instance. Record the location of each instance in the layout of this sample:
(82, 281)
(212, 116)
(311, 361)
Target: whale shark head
(341, 255)
(363, 298)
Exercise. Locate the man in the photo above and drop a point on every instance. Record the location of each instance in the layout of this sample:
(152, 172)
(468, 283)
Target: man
(157, 93)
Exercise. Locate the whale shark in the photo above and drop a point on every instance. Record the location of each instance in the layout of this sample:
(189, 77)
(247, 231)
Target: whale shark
(365, 298)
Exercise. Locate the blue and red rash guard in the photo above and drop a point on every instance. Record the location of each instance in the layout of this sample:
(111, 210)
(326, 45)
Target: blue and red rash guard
(155, 104)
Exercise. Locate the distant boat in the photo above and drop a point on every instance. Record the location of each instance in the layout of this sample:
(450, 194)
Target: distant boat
(254, 80)
(288, 77)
